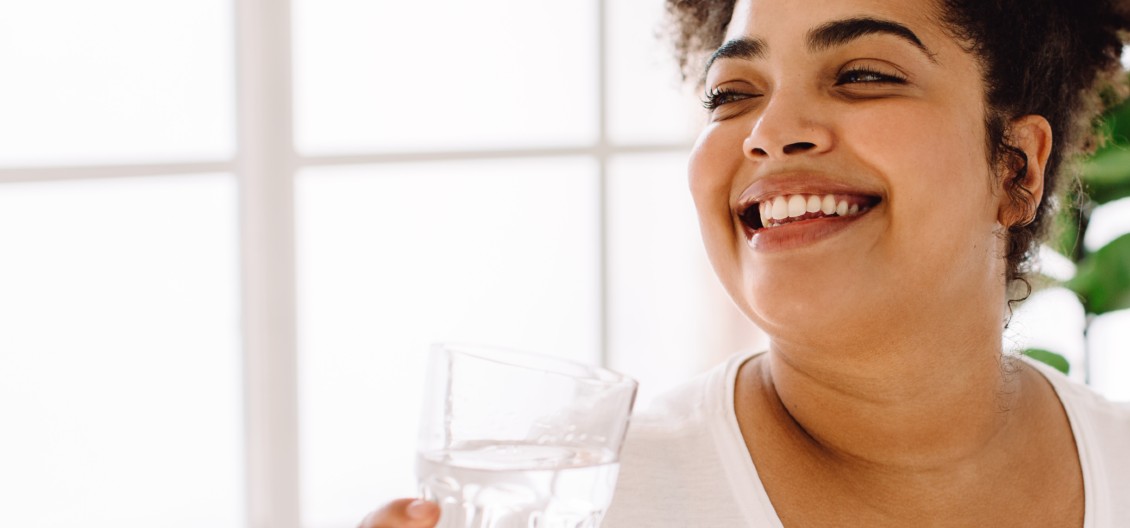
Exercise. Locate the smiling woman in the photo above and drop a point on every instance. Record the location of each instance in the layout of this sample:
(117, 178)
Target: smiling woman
(870, 186)
(871, 181)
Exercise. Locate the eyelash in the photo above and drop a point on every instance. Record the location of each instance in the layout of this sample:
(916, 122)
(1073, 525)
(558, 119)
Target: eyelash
(879, 77)
(717, 97)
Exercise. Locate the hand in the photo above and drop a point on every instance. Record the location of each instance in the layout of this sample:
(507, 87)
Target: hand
(403, 513)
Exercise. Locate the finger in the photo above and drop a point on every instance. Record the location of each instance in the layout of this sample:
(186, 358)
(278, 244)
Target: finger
(404, 513)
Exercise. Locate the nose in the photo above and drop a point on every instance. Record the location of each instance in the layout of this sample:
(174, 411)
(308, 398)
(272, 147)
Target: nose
(787, 127)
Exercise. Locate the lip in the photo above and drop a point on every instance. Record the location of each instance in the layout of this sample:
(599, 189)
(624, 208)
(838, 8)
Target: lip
(804, 232)
(799, 183)
(801, 233)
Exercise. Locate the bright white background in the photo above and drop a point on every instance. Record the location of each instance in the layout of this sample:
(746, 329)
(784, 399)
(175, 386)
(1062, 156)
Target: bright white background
(231, 228)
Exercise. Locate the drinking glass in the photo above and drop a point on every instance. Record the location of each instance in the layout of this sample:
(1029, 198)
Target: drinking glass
(510, 439)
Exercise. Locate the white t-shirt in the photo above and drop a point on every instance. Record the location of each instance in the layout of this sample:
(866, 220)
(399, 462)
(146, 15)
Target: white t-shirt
(685, 464)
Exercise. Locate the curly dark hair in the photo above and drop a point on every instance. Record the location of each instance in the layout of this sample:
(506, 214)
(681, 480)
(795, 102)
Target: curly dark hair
(1055, 58)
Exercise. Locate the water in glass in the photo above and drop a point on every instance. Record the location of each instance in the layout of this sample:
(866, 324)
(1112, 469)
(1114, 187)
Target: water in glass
(519, 485)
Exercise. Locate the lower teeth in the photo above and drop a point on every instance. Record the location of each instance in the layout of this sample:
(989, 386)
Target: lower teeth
(809, 216)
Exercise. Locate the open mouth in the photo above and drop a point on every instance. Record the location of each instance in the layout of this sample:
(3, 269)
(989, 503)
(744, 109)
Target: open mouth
(786, 209)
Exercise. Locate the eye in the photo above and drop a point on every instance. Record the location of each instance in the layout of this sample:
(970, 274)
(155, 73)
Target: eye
(865, 75)
(717, 97)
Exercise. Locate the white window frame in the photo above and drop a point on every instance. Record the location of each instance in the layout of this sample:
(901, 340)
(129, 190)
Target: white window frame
(265, 165)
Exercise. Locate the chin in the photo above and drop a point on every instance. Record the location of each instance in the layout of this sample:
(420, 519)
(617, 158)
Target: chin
(811, 310)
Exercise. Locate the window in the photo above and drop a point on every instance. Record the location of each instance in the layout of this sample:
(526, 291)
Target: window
(479, 185)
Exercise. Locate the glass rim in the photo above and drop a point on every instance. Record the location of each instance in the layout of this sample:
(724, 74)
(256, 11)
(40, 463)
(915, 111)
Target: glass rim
(532, 361)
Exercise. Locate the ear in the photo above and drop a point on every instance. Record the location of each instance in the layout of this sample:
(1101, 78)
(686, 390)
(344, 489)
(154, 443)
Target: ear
(1023, 186)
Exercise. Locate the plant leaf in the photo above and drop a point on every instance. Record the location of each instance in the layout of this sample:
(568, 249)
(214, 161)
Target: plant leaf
(1103, 278)
(1064, 236)
(1116, 124)
(1106, 175)
(1051, 359)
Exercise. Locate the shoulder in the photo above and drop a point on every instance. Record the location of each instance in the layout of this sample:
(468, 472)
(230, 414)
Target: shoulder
(672, 435)
(1102, 436)
(700, 398)
(671, 471)
(1096, 417)
(1102, 426)
(688, 412)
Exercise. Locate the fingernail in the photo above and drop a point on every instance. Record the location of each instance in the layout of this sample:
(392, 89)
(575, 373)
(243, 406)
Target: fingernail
(418, 509)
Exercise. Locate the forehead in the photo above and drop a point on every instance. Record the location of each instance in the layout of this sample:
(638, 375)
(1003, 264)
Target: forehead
(784, 21)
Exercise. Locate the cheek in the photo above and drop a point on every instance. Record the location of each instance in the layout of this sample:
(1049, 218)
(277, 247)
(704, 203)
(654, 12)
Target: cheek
(934, 156)
(712, 161)
(715, 170)
(941, 201)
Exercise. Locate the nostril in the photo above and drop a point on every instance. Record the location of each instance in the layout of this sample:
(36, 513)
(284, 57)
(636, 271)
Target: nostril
(758, 151)
(793, 148)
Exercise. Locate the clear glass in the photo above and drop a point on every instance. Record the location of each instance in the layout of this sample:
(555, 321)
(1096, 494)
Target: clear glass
(115, 81)
(511, 439)
(393, 257)
(120, 368)
(443, 75)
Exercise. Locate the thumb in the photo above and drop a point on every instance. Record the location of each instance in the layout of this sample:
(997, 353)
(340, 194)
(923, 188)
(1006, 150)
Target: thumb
(404, 513)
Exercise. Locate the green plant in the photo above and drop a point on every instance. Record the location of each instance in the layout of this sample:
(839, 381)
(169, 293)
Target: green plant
(1102, 277)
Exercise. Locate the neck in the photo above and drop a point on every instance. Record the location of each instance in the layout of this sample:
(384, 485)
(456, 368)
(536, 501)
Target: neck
(897, 405)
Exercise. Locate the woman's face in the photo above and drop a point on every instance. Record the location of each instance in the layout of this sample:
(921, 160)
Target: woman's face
(842, 181)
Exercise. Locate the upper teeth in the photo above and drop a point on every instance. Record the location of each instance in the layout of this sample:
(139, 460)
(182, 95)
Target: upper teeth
(797, 205)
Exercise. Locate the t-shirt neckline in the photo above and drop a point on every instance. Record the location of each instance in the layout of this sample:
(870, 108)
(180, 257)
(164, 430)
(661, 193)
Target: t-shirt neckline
(746, 482)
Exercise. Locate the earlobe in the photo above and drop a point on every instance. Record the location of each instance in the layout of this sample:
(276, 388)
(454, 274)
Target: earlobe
(1023, 185)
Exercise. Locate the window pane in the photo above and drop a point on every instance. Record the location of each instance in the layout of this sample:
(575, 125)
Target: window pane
(668, 315)
(119, 358)
(443, 75)
(1110, 363)
(647, 100)
(1051, 319)
(115, 81)
(395, 257)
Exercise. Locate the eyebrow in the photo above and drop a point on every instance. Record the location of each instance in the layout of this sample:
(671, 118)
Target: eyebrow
(832, 34)
(840, 32)
(740, 48)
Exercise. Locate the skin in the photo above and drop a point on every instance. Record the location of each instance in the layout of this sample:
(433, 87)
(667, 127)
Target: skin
(403, 513)
(883, 399)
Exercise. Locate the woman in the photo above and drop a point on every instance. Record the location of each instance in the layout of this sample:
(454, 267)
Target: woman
(871, 182)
